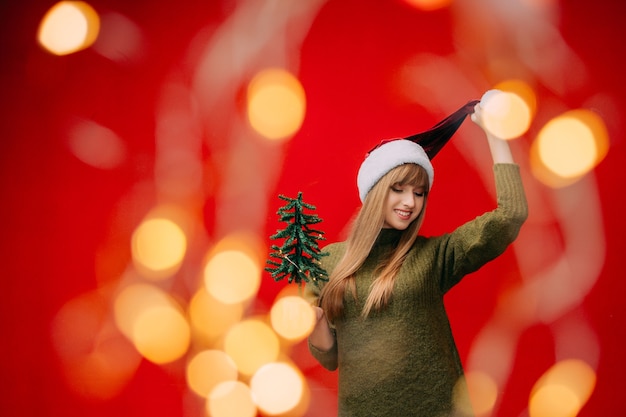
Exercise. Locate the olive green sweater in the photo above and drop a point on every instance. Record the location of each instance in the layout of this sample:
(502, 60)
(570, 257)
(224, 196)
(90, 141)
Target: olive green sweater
(403, 361)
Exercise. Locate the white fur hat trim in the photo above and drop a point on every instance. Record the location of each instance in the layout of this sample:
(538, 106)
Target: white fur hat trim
(388, 156)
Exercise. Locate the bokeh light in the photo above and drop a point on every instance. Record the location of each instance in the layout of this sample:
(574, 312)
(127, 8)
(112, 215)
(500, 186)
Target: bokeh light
(86, 314)
(231, 399)
(276, 104)
(105, 371)
(251, 344)
(209, 368)
(211, 318)
(151, 319)
(96, 145)
(482, 391)
(568, 147)
(554, 401)
(563, 390)
(292, 318)
(98, 362)
(68, 27)
(161, 334)
(120, 39)
(522, 90)
(133, 300)
(277, 388)
(232, 276)
(505, 114)
(428, 5)
(158, 247)
(246, 242)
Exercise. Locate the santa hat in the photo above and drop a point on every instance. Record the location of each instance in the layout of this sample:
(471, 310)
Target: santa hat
(418, 149)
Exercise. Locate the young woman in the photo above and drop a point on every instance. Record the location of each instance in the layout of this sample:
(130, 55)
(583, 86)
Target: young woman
(381, 316)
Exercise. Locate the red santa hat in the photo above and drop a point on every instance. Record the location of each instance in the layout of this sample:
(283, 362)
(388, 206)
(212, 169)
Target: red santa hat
(418, 149)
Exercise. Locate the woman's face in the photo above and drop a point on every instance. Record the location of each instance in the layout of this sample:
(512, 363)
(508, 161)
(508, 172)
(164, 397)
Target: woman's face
(404, 204)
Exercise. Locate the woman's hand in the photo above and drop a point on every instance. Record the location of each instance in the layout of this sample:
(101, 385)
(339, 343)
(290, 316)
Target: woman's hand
(319, 313)
(477, 116)
(500, 151)
(321, 337)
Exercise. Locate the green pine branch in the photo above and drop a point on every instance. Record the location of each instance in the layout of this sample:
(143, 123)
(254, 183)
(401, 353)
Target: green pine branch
(298, 257)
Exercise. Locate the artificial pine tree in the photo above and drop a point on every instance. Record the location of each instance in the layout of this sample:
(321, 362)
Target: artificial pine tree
(299, 255)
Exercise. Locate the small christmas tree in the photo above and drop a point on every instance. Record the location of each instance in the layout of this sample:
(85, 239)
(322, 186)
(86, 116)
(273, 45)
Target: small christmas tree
(299, 256)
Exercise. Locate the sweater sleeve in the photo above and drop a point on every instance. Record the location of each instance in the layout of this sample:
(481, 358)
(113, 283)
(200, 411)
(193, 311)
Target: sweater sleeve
(486, 237)
(328, 359)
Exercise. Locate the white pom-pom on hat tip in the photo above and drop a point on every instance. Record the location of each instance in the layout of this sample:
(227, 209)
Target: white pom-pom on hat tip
(489, 95)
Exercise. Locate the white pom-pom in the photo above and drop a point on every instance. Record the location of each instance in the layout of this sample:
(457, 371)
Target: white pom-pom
(489, 95)
(504, 114)
(496, 103)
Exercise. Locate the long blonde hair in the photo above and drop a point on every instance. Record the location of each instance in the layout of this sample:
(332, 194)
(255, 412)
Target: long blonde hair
(364, 232)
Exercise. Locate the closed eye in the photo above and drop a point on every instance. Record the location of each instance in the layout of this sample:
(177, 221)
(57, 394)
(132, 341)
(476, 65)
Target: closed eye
(401, 189)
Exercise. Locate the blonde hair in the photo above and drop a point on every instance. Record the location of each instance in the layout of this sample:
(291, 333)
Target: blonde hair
(364, 232)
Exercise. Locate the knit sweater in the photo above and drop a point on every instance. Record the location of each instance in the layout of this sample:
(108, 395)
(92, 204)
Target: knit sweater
(403, 361)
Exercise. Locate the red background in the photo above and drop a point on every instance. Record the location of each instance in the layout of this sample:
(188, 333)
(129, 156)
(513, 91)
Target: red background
(56, 210)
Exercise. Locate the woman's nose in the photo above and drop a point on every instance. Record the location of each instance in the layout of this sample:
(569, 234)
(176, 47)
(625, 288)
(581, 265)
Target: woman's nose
(408, 200)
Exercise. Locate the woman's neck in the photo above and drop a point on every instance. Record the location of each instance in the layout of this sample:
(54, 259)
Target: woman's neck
(388, 236)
